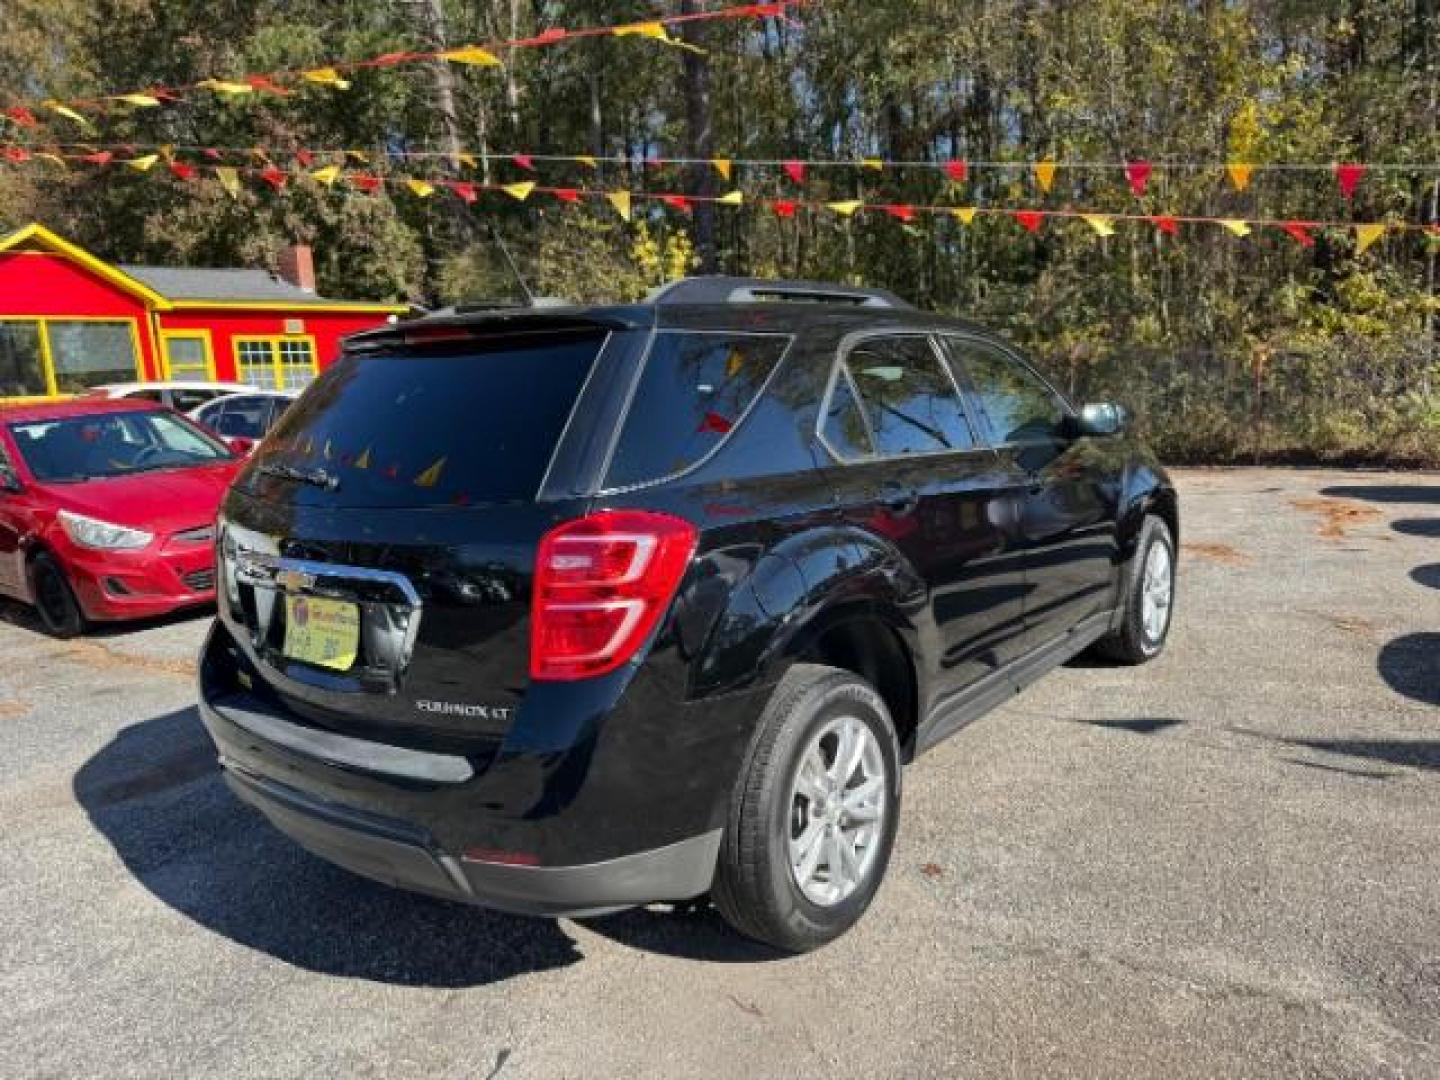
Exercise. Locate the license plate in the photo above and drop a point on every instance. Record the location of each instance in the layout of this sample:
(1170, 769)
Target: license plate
(321, 632)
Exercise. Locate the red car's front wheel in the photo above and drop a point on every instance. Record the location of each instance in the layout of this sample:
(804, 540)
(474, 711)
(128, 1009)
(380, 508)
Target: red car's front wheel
(60, 612)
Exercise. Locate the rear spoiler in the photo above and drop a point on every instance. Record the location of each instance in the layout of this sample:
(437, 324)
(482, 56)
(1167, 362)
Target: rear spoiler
(494, 323)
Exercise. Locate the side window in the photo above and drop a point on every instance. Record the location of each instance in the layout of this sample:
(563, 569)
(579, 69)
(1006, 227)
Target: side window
(845, 428)
(907, 396)
(694, 389)
(157, 396)
(1015, 402)
(242, 418)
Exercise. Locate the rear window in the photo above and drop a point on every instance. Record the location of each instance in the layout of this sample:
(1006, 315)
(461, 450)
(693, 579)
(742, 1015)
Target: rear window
(432, 428)
(695, 388)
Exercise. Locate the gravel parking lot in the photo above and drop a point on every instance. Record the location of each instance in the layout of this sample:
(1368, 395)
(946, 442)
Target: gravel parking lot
(1225, 864)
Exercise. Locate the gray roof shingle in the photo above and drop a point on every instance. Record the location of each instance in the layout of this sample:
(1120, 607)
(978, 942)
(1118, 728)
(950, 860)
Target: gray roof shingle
(205, 283)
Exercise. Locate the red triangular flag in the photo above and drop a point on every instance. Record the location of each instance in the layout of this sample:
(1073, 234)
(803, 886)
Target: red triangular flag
(716, 423)
(276, 178)
(1138, 173)
(390, 59)
(266, 84)
(900, 212)
(525, 161)
(22, 116)
(795, 170)
(1349, 177)
(567, 194)
(1166, 224)
(1300, 231)
(545, 37)
(1031, 220)
(305, 158)
(465, 191)
(366, 182)
(784, 208)
(100, 157)
(957, 171)
(678, 202)
(182, 171)
(15, 154)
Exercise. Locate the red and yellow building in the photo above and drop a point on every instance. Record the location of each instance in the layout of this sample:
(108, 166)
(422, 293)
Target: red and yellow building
(70, 320)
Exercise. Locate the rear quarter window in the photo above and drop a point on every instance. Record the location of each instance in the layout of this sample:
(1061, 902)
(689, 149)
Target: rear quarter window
(694, 390)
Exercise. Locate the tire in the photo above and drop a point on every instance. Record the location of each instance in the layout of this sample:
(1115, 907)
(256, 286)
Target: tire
(55, 601)
(1136, 641)
(757, 889)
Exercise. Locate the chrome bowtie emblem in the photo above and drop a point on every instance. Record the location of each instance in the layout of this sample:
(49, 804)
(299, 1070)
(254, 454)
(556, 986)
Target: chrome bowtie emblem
(294, 580)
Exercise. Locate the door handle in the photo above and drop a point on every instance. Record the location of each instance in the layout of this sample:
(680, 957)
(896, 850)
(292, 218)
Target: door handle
(900, 500)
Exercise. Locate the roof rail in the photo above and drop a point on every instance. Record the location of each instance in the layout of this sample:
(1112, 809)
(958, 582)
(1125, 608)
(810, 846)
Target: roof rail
(719, 289)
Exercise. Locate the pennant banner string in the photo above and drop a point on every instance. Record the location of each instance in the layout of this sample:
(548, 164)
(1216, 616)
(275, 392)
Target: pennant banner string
(1030, 218)
(333, 73)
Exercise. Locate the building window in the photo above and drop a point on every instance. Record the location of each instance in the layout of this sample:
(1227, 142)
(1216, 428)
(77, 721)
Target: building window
(42, 357)
(87, 354)
(187, 355)
(22, 361)
(276, 363)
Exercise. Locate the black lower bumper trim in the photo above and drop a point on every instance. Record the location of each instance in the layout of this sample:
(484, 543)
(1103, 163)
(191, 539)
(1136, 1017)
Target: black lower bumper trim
(401, 855)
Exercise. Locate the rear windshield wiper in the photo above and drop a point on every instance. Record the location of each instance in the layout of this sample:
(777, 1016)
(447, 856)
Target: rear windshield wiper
(318, 477)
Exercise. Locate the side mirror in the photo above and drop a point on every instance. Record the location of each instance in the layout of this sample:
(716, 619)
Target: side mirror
(1102, 418)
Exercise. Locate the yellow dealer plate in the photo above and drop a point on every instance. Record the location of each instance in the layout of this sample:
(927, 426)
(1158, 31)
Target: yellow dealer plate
(323, 632)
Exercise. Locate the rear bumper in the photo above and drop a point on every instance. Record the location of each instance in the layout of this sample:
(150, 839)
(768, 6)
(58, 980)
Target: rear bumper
(399, 854)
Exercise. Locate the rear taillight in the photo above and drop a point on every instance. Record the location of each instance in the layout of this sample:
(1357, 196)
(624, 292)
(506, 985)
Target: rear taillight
(602, 582)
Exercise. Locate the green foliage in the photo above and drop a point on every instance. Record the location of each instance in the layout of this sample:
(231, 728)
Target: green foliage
(1230, 348)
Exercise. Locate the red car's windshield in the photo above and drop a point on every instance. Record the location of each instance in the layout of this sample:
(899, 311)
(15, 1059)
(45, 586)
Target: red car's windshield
(75, 448)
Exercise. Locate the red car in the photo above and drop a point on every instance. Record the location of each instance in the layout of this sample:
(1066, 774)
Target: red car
(107, 510)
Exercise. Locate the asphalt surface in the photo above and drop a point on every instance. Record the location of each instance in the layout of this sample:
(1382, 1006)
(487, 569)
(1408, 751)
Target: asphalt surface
(1225, 864)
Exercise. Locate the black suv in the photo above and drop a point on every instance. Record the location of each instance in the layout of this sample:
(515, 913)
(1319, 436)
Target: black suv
(563, 610)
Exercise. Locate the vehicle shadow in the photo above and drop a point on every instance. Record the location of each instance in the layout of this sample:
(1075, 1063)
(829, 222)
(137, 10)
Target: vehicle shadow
(1426, 527)
(155, 793)
(1385, 493)
(1410, 665)
(24, 617)
(1427, 575)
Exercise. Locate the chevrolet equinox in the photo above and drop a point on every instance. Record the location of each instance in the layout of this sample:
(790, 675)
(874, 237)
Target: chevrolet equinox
(564, 610)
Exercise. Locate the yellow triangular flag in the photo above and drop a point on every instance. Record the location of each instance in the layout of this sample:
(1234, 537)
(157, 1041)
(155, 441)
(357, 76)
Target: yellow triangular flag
(358, 156)
(327, 176)
(473, 55)
(1045, 174)
(732, 198)
(1100, 223)
(654, 30)
(140, 101)
(230, 89)
(1239, 174)
(143, 164)
(966, 214)
(874, 164)
(588, 161)
(229, 180)
(520, 191)
(68, 113)
(420, 188)
(1365, 235)
(733, 363)
(431, 476)
(722, 166)
(845, 208)
(363, 461)
(54, 159)
(468, 160)
(326, 76)
(621, 201)
(1236, 226)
